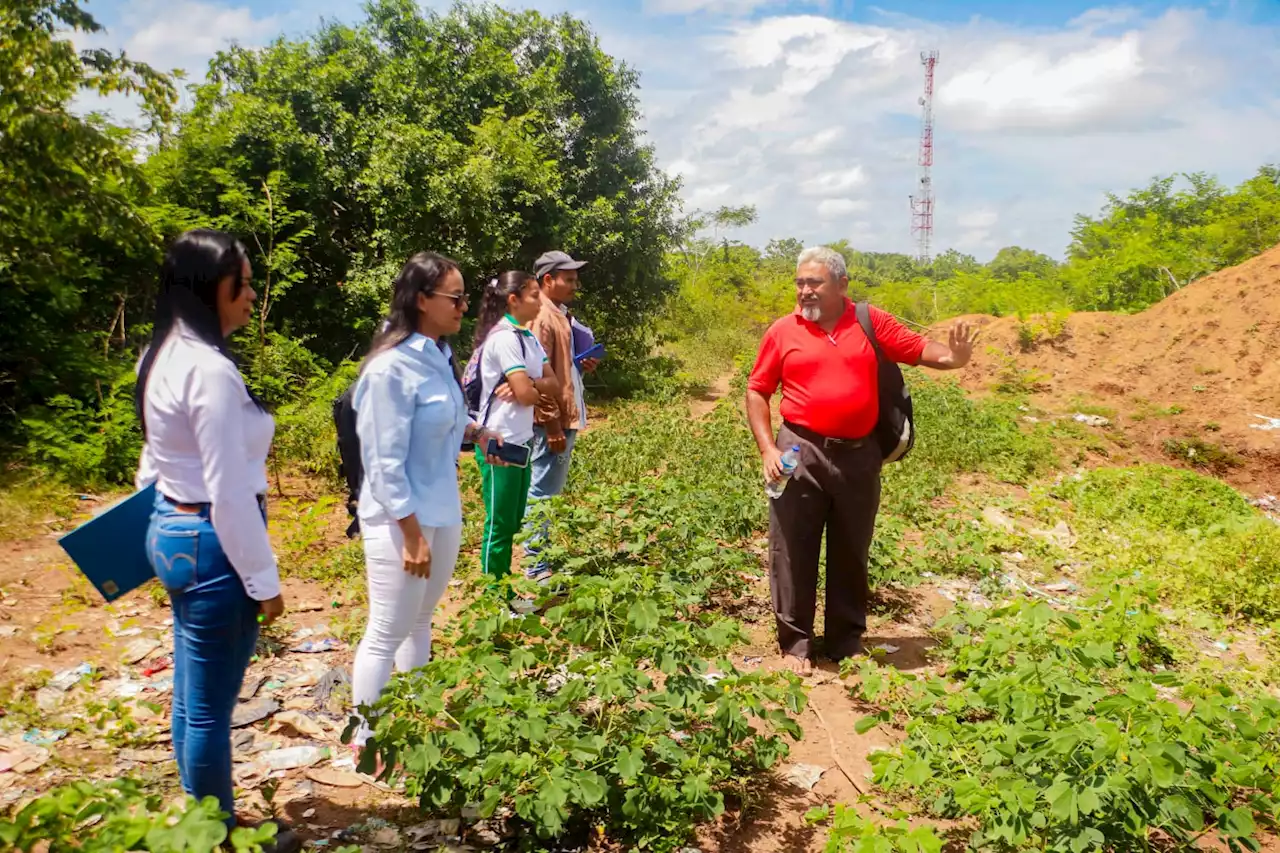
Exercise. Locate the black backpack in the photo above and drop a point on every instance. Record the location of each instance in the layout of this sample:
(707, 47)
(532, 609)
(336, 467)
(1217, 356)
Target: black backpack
(895, 428)
(473, 385)
(350, 468)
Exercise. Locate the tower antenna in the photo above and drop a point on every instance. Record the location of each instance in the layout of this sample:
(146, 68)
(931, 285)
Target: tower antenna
(922, 204)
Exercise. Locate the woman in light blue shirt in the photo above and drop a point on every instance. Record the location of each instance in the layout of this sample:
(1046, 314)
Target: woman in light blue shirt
(412, 421)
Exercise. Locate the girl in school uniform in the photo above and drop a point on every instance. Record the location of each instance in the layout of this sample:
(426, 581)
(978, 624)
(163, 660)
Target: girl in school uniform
(512, 378)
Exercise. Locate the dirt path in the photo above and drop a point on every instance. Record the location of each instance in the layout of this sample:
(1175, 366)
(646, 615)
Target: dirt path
(53, 621)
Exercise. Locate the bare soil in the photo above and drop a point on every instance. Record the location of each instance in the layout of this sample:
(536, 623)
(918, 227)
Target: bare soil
(1199, 365)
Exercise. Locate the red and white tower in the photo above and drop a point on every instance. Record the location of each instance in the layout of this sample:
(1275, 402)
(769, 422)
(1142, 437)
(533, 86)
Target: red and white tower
(922, 204)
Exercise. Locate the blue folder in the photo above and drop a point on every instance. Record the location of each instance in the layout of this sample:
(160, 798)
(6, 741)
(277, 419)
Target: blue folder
(110, 549)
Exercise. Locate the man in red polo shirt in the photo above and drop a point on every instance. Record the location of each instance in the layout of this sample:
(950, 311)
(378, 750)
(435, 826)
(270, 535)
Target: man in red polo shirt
(827, 370)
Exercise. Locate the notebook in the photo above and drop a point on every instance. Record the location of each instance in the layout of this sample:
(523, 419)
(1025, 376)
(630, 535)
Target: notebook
(110, 549)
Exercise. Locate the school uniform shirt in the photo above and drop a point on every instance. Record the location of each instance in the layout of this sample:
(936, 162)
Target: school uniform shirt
(502, 355)
(410, 417)
(207, 442)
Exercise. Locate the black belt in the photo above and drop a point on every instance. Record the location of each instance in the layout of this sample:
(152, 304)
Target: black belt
(824, 440)
(206, 507)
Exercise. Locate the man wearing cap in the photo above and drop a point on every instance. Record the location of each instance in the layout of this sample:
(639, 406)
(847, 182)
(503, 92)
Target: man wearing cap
(556, 420)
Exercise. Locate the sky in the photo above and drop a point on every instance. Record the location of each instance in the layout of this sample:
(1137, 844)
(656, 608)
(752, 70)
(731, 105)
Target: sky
(810, 110)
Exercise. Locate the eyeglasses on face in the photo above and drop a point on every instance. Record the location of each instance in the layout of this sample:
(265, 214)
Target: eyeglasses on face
(459, 299)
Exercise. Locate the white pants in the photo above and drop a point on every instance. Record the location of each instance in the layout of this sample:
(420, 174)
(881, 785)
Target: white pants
(400, 608)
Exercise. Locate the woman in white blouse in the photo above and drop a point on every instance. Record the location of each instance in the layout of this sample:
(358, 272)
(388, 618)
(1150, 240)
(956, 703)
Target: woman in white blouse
(412, 421)
(206, 444)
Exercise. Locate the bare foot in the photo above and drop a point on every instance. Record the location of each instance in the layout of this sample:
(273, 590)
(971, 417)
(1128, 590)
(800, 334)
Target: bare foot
(800, 666)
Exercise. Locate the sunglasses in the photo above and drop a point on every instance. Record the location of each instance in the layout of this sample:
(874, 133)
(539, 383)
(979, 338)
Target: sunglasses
(459, 299)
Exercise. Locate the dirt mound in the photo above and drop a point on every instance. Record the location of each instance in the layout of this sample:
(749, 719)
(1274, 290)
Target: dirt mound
(1195, 368)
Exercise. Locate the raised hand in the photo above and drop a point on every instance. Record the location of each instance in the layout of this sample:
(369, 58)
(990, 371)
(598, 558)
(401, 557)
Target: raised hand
(961, 341)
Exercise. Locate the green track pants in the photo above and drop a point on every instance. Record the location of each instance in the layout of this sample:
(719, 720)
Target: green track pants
(506, 492)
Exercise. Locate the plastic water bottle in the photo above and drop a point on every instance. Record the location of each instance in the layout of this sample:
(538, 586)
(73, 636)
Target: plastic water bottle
(790, 459)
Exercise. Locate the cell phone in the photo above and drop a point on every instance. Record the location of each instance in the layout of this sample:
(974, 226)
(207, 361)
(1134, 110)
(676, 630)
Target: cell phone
(596, 351)
(510, 452)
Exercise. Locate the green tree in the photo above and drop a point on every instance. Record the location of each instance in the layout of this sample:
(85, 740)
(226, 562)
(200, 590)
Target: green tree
(486, 134)
(77, 261)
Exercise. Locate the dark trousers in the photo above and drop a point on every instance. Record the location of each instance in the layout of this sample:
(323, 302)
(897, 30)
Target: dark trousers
(836, 487)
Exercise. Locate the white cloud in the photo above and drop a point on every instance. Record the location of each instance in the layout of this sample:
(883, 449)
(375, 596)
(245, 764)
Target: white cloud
(833, 183)
(816, 120)
(1033, 125)
(978, 219)
(833, 208)
(689, 7)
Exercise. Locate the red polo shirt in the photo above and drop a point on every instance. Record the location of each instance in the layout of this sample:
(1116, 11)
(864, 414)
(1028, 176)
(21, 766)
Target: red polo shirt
(829, 381)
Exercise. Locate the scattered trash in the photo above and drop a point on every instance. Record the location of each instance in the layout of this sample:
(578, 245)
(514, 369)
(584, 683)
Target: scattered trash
(249, 688)
(161, 685)
(331, 679)
(753, 660)
(301, 634)
(242, 741)
(293, 757)
(1219, 644)
(158, 666)
(44, 737)
(335, 778)
(138, 649)
(997, 518)
(804, 776)
(1061, 586)
(1091, 420)
(250, 712)
(68, 678)
(486, 837)
(146, 756)
(127, 632)
(122, 688)
(294, 722)
(889, 649)
(1271, 423)
(8, 631)
(312, 647)
(18, 756)
(1059, 535)
(713, 677)
(433, 829)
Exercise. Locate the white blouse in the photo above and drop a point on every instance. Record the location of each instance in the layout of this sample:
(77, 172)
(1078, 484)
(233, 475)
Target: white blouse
(207, 442)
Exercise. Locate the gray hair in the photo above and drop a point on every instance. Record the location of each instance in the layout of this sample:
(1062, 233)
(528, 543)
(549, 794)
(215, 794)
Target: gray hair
(829, 258)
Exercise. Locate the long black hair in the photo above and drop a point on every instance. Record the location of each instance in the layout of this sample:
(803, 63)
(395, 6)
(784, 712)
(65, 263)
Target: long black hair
(193, 266)
(494, 304)
(422, 273)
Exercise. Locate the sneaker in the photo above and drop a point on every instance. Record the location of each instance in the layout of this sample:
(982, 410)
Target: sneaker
(541, 574)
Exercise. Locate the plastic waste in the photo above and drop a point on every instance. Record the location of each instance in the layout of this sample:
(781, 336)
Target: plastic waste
(790, 459)
(293, 757)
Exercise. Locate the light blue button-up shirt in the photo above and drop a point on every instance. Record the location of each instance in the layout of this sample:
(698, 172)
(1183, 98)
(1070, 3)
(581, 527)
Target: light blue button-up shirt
(410, 416)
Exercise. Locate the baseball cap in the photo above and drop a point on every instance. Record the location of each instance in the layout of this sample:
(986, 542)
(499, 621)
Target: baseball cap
(549, 262)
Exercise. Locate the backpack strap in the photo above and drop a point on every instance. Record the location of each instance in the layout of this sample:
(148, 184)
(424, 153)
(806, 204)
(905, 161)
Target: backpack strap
(488, 404)
(863, 311)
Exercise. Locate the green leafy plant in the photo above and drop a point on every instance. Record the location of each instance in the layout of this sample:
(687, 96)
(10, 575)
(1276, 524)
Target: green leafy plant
(119, 815)
(1068, 733)
(849, 832)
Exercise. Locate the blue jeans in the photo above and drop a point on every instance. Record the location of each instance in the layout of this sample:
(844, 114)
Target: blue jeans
(215, 630)
(550, 473)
